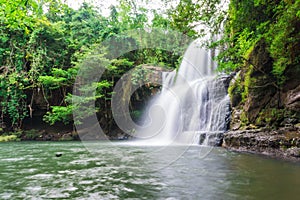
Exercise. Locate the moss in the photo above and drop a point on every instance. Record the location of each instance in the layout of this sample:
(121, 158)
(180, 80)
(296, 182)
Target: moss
(250, 50)
(66, 138)
(9, 138)
(258, 121)
(31, 134)
(235, 90)
(244, 119)
(247, 82)
(271, 117)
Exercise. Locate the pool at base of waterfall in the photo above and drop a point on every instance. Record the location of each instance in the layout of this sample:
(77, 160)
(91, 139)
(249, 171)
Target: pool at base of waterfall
(115, 170)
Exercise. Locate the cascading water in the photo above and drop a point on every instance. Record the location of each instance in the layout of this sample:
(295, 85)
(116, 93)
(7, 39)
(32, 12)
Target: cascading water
(192, 106)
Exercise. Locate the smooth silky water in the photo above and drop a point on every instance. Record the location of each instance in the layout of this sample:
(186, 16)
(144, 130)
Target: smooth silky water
(192, 102)
(30, 170)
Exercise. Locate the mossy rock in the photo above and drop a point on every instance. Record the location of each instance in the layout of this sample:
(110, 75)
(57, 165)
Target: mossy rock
(235, 90)
(261, 59)
(9, 138)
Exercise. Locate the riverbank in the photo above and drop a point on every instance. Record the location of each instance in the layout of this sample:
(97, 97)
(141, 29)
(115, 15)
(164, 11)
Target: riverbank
(38, 135)
(283, 143)
(54, 133)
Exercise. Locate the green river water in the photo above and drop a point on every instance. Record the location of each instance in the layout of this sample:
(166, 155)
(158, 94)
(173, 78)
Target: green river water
(30, 170)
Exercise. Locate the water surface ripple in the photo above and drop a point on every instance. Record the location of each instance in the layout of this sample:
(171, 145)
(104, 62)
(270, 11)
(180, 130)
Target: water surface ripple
(121, 171)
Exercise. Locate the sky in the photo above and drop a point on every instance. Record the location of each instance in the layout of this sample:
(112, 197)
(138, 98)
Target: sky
(105, 4)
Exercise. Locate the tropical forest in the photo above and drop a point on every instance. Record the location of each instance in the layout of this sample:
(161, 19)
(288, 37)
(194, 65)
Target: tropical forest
(139, 99)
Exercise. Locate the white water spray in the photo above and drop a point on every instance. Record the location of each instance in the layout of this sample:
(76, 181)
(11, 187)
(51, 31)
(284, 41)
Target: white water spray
(192, 103)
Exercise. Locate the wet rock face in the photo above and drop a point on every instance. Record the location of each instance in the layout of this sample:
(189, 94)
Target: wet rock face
(258, 102)
(261, 86)
(256, 98)
(290, 95)
(260, 58)
(283, 143)
(292, 99)
(294, 152)
(215, 140)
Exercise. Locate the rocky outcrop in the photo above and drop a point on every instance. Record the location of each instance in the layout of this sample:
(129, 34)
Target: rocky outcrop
(258, 100)
(265, 114)
(291, 99)
(283, 143)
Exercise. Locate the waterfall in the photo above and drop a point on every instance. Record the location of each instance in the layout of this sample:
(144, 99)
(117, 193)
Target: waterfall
(192, 105)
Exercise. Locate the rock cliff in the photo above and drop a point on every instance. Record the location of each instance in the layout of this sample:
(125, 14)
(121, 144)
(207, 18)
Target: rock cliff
(265, 113)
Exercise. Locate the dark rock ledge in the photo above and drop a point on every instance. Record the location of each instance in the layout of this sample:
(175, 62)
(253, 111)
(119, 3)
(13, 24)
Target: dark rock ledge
(283, 143)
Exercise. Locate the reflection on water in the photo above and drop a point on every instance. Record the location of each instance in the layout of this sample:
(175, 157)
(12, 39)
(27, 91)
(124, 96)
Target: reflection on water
(262, 178)
(120, 171)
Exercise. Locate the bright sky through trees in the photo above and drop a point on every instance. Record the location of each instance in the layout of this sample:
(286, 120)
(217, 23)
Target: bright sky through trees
(104, 5)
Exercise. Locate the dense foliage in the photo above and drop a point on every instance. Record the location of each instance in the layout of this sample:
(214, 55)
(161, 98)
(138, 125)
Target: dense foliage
(44, 43)
(248, 22)
(262, 42)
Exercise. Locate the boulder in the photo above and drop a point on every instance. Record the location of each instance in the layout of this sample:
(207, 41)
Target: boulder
(292, 99)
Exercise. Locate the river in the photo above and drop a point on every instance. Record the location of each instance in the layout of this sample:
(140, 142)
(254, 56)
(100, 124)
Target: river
(31, 170)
